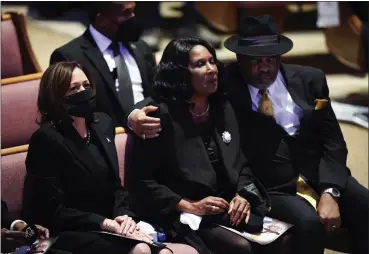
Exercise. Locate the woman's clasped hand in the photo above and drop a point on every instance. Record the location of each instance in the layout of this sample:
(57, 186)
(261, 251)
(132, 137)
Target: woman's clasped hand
(238, 209)
(125, 226)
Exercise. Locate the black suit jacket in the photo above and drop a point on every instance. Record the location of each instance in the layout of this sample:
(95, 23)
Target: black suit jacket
(84, 50)
(7, 217)
(64, 189)
(317, 150)
(175, 165)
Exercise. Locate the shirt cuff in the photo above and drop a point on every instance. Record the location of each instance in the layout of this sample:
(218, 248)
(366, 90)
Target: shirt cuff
(129, 117)
(15, 222)
(324, 187)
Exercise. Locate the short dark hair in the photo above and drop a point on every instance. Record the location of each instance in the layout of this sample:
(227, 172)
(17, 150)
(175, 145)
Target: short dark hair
(173, 79)
(54, 85)
(95, 7)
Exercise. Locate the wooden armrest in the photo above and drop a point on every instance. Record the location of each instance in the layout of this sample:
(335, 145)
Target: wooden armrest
(23, 78)
(355, 24)
(24, 148)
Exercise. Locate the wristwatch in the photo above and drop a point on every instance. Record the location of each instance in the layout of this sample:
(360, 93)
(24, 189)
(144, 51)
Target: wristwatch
(31, 233)
(334, 193)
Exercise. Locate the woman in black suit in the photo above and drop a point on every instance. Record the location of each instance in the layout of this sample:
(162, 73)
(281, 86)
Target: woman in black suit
(72, 184)
(195, 166)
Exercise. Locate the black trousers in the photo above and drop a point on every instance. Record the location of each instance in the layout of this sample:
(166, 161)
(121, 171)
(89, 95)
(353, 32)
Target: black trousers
(77, 242)
(223, 241)
(308, 233)
(55, 251)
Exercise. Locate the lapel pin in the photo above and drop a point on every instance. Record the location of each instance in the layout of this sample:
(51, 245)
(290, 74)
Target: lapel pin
(226, 136)
(133, 46)
(108, 140)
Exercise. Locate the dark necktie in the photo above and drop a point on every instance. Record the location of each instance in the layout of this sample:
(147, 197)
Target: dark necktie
(124, 91)
(265, 104)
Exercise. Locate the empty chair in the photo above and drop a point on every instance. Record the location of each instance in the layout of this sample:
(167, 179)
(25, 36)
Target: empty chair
(17, 54)
(19, 110)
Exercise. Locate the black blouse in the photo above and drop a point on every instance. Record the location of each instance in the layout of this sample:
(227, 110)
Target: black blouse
(206, 131)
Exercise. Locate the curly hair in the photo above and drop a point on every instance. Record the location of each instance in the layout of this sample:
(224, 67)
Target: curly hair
(172, 79)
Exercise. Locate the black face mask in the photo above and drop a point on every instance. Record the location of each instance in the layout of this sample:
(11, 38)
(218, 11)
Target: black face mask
(81, 104)
(129, 31)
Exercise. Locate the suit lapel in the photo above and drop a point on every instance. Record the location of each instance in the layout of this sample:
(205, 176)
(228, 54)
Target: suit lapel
(80, 150)
(296, 90)
(239, 89)
(225, 151)
(228, 150)
(106, 144)
(186, 143)
(93, 53)
(141, 63)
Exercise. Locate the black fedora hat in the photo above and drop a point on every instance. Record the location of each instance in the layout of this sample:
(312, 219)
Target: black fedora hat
(258, 37)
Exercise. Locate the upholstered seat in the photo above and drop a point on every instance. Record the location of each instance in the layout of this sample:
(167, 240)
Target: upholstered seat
(11, 60)
(19, 110)
(17, 55)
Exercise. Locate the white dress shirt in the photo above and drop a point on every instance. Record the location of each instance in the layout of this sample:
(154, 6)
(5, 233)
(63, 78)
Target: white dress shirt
(103, 43)
(286, 112)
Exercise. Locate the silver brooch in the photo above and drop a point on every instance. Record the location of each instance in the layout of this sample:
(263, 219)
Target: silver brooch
(108, 140)
(226, 136)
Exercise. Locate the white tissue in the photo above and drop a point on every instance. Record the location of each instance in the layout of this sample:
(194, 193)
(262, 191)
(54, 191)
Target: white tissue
(192, 220)
(148, 229)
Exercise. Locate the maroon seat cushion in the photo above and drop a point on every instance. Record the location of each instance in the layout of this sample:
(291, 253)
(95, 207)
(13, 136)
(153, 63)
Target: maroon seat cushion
(18, 113)
(120, 144)
(11, 58)
(13, 171)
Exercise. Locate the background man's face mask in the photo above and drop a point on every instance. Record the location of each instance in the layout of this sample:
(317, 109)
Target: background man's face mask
(129, 30)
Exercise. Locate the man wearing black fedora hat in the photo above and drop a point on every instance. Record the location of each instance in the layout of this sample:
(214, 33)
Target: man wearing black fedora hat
(291, 134)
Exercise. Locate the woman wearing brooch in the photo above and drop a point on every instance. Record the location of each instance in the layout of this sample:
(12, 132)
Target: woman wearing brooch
(194, 172)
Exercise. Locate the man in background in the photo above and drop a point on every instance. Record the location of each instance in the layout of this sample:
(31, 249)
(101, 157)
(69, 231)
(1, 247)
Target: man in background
(121, 65)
